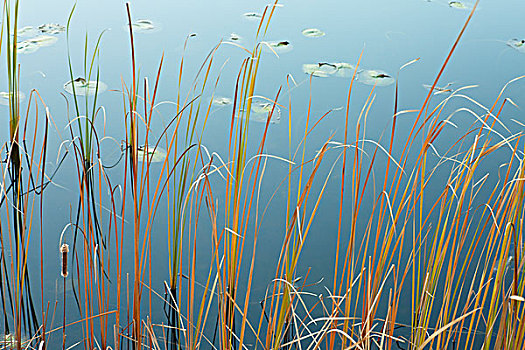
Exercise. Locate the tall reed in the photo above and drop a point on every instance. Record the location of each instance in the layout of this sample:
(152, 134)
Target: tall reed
(414, 269)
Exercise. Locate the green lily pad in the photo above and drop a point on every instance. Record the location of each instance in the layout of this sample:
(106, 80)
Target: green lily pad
(48, 28)
(26, 47)
(459, 5)
(344, 70)
(440, 90)
(151, 154)
(51, 28)
(375, 77)
(144, 26)
(4, 97)
(235, 37)
(326, 69)
(84, 87)
(517, 44)
(33, 44)
(313, 33)
(221, 101)
(252, 16)
(281, 46)
(27, 31)
(260, 109)
(321, 70)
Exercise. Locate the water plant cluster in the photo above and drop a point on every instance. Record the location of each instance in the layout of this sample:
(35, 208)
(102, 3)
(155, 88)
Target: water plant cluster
(411, 270)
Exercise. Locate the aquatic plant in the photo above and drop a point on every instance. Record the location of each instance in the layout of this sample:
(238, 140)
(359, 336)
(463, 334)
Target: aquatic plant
(375, 77)
(5, 97)
(411, 269)
(326, 69)
(221, 101)
(235, 37)
(517, 44)
(279, 46)
(144, 26)
(313, 33)
(84, 88)
(33, 44)
(255, 16)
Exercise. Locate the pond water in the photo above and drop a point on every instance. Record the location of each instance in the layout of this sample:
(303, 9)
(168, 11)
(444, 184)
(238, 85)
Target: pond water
(327, 36)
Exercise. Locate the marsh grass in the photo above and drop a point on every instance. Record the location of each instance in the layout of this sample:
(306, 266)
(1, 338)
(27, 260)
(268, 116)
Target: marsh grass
(416, 271)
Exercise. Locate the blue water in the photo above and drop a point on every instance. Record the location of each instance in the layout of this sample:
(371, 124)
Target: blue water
(387, 33)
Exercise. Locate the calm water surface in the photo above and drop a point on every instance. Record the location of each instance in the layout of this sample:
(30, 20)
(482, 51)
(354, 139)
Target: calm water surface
(390, 33)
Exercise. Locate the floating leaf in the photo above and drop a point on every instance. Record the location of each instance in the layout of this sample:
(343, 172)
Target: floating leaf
(26, 32)
(459, 5)
(344, 70)
(84, 87)
(235, 37)
(517, 44)
(279, 46)
(322, 70)
(260, 109)
(26, 47)
(151, 154)
(325, 69)
(440, 90)
(4, 97)
(313, 33)
(375, 77)
(252, 16)
(51, 28)
(33, 44)
(221, 101)
(144, 26)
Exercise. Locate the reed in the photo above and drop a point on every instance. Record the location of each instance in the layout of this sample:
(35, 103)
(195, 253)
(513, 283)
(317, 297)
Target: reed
(15, 233)
(414, 270)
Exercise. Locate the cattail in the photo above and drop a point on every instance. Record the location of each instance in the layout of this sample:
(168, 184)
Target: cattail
(64, 249)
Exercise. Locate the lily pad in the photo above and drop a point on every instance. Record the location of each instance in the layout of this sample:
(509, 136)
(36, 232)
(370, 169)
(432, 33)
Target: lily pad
(260, 109)
(375, 77)
(235, 37)
(281, 46)
(313, 33)
(252, 16)
(27, 31)
(440, 90)
(84, 87)
(151, 154)
(321, 70)
(326, 69)
(459, 5)
(4, 97)
(33, 44)
(344, 70)
(144, 26)
(517, 44)
(221, 101)
(51, 28)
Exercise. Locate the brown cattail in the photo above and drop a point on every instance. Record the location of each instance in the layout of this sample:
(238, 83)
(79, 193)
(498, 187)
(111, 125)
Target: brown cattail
(64, 249)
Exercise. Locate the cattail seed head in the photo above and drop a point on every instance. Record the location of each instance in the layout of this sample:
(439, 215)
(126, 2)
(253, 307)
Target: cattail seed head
(64, 249)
